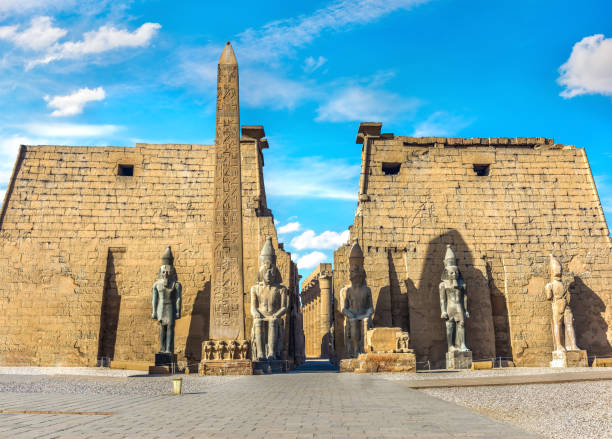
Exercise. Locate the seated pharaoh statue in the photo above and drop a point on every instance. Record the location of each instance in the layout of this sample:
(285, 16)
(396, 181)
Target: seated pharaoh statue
(356, 303)
(453, 303)
(562, 313)
(269, 302)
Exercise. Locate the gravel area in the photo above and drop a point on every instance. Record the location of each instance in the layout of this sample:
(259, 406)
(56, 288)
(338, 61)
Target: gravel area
(85, 371)
(580, 410)
(505, 371)
(101, 382)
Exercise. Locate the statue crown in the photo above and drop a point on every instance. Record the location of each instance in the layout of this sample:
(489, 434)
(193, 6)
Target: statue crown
(267, 252)
(356, 254)
(450, 258)
(555, 267)
(167, 257)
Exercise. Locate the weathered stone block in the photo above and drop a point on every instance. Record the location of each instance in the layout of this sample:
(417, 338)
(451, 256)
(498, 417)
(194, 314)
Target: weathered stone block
(459, 360)
(349, 365)
(373, 362)
(569, 359)
(382, 339)
(387, 362)
(482, 365)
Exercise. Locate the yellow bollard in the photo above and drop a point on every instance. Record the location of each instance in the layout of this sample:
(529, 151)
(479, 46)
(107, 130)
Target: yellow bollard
(177, 384)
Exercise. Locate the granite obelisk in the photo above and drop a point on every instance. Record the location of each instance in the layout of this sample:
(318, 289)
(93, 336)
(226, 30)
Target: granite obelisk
(227, 306)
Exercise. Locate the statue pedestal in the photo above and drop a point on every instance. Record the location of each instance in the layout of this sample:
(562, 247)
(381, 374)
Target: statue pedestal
(569, 359)
(269, 366)
(459, 360)
(225, 367)
(165, 363)
(225, 357)
(374, 362)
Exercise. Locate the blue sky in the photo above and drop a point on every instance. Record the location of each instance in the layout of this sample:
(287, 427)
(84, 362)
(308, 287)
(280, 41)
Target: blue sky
(119, 72)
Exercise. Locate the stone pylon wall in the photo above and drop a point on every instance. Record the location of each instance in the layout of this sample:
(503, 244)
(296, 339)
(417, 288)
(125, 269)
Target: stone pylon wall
(537, 198)
(81, 248)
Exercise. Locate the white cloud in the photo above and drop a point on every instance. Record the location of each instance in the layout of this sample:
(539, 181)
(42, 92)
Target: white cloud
(65, 130)
(289, 228)
(280, 38)
(311, 260)
(326, 240)
(40, 35)
(72, 104)
(311, 64)
(589, 68)
(260, 88)
(295, 256)
(358, 103)
(311, 177)
(272, 42)
(23, 6)
(105, 39)
(440, 124)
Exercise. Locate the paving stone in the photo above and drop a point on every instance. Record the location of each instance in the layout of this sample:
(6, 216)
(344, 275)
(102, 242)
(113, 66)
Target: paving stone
(293, 405)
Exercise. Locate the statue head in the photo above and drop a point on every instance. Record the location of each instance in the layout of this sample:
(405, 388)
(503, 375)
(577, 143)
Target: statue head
(451, 275)
(268, 272)
(556, 271)
(167, 273)
(357, 274)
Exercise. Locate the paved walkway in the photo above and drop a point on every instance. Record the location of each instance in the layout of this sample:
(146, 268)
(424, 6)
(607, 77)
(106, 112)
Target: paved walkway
(509, 380)
(309, 403)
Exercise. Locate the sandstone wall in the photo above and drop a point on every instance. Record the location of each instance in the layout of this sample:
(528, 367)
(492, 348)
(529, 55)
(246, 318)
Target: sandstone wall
(81, 248)
(537, 198)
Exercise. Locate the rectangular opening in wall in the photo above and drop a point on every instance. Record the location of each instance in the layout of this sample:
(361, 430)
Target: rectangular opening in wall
(482, 170)
(125, 170)
(391, 168)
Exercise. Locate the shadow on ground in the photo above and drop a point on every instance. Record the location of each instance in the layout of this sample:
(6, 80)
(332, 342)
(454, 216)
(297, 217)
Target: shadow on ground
(316, 366)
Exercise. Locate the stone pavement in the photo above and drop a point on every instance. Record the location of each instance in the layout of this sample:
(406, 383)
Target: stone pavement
(310, 403)
(506, 380)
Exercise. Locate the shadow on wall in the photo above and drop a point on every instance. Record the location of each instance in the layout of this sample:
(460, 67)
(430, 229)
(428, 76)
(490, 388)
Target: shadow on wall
(427, 329)
(111, 304)
(591, 328)
(501, 322)
(198, 325)
(382, 307)
(399, 302)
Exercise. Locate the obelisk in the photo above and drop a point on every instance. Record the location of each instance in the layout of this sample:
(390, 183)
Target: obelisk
(227, 306)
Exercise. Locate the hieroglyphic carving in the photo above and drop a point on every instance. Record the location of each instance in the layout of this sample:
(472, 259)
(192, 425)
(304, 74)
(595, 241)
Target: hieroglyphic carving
(227, 309)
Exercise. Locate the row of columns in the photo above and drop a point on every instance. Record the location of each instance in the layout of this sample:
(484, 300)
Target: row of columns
(317, 318)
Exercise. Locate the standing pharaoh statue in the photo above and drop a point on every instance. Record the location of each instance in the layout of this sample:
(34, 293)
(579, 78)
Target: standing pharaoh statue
(167, 302)
(356, 303)
(269, 302)
(562, 313)
(453, 303)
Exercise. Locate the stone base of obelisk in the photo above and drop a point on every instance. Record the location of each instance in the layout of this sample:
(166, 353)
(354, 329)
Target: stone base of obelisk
(459, 360)
(569, 359)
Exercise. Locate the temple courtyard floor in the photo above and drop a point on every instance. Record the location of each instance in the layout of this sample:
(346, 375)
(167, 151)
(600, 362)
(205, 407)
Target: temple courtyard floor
(312, 402)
